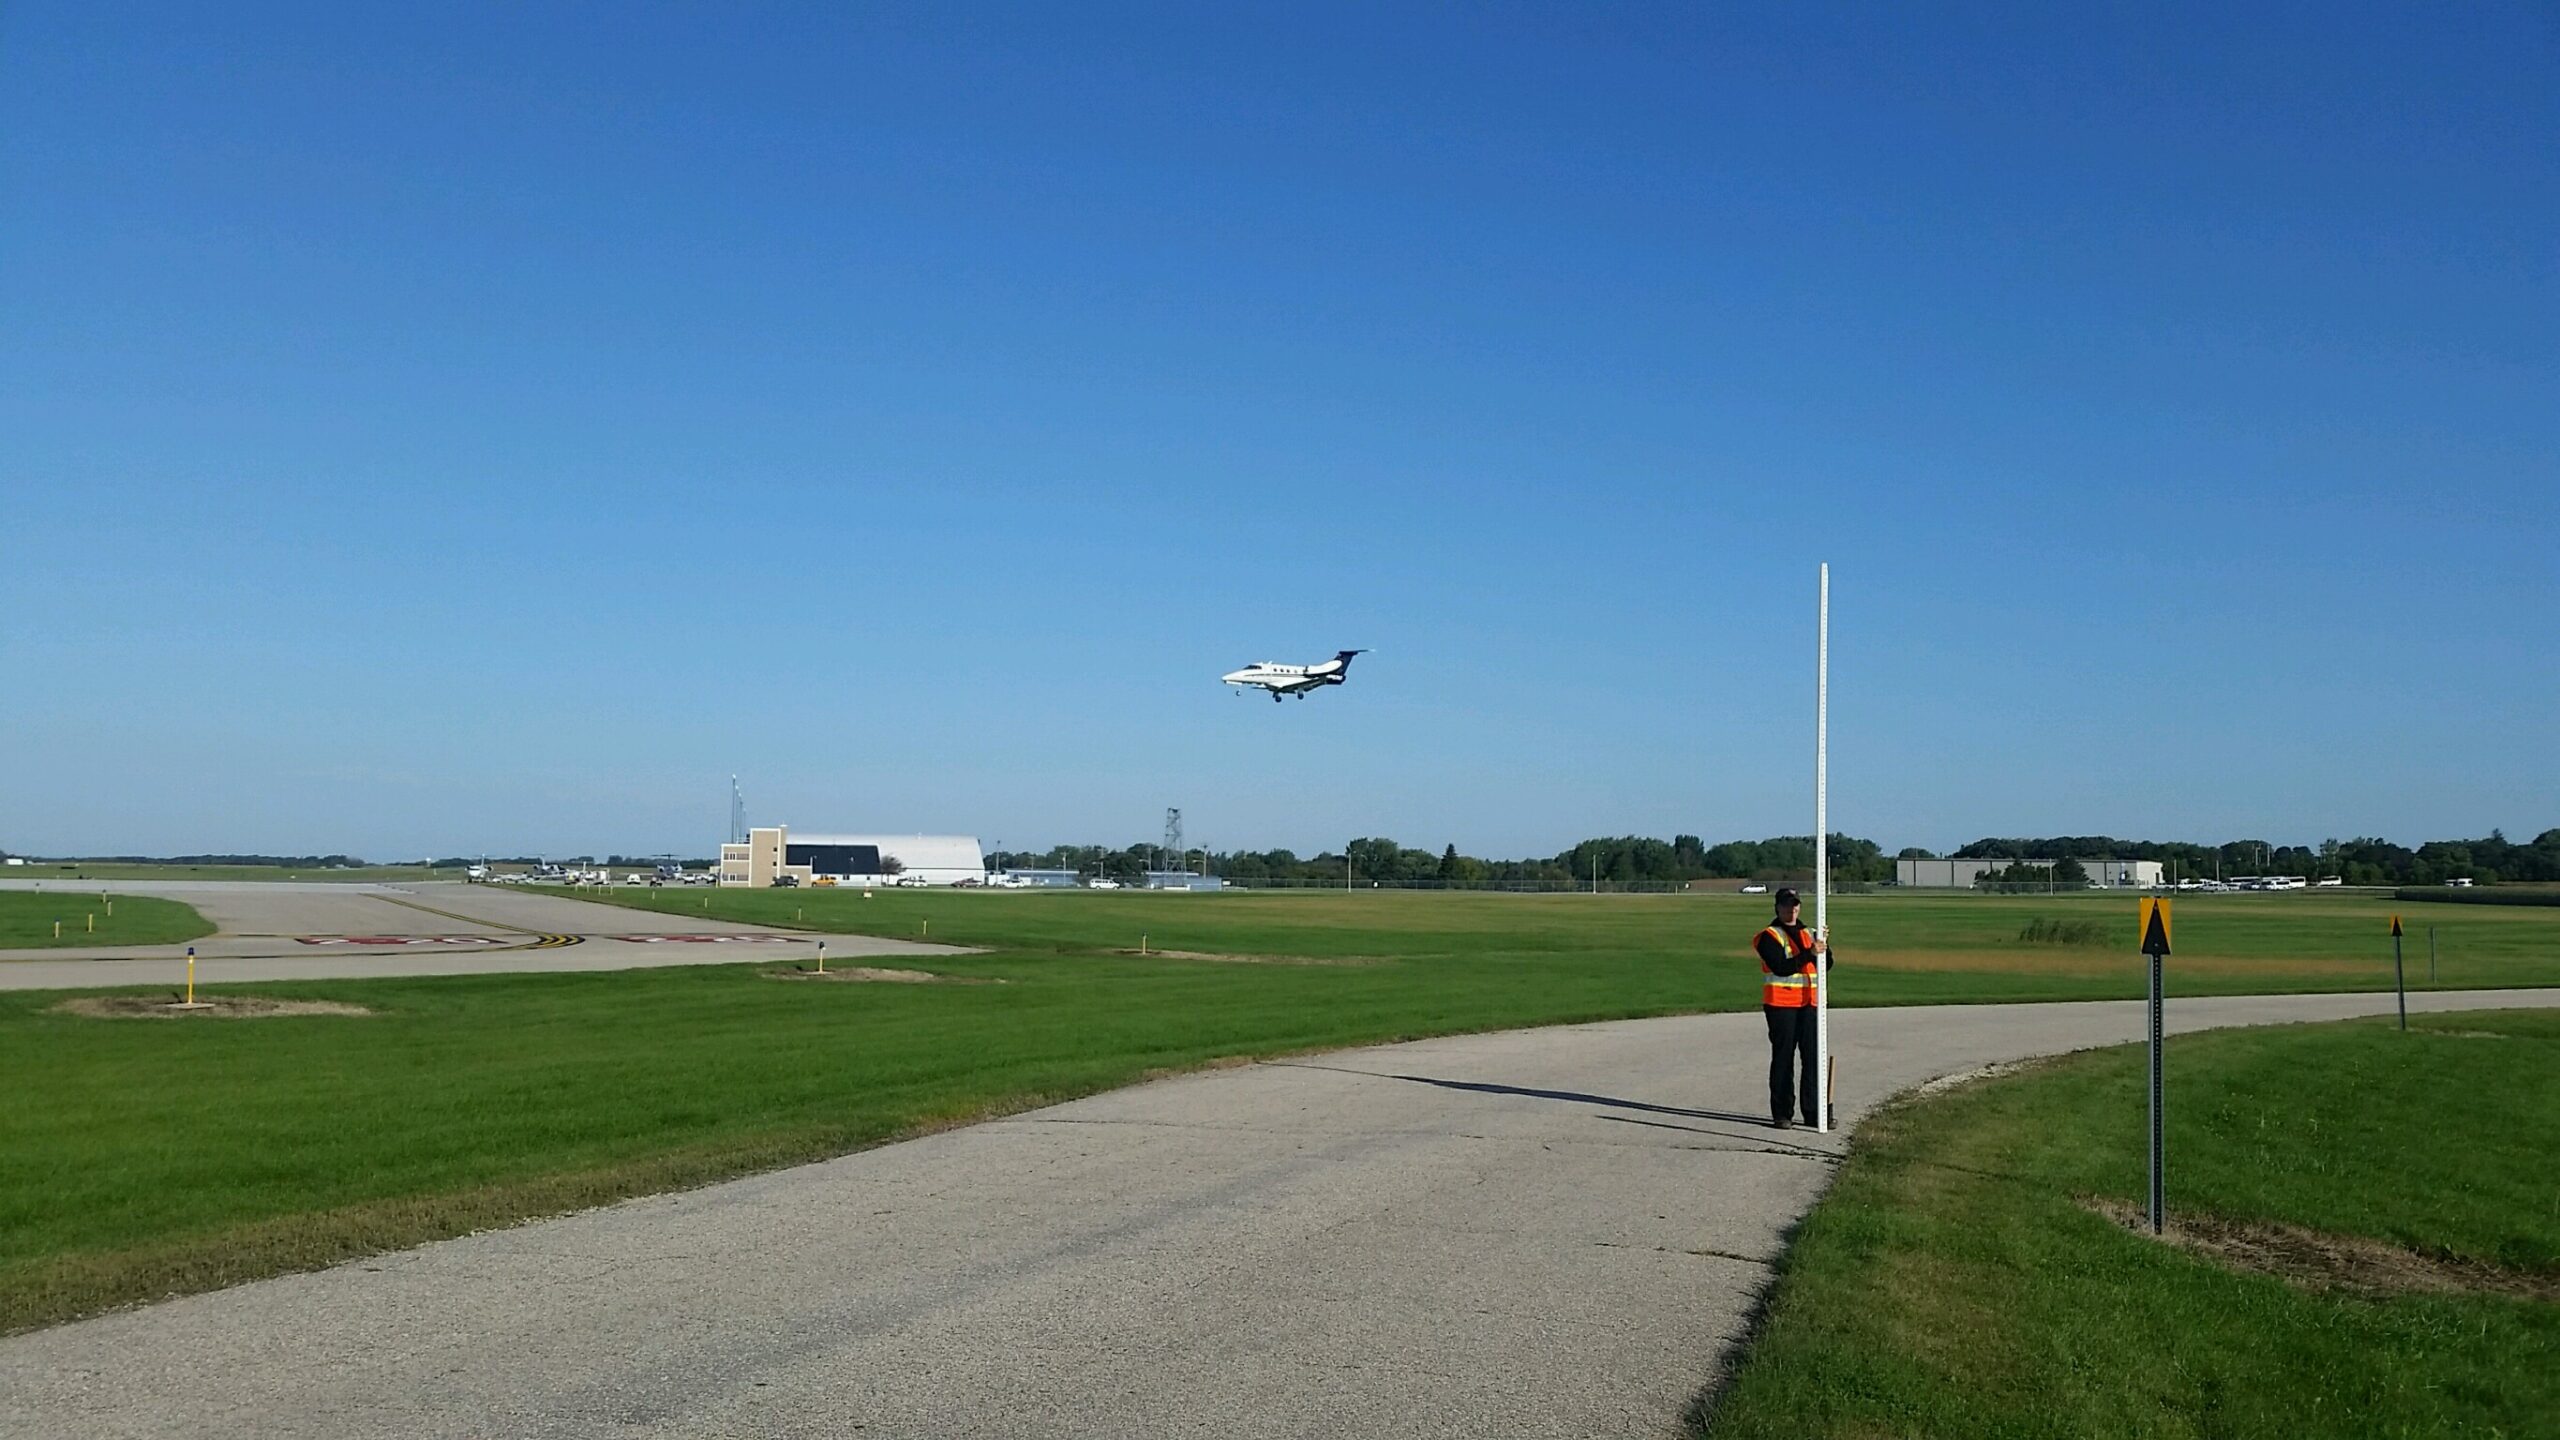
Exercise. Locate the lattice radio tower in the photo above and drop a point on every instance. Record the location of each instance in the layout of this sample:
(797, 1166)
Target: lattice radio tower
(737, 813)
(1173, 850)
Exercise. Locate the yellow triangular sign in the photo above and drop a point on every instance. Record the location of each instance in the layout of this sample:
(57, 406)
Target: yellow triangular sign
(2155, 927)
(2395, 927)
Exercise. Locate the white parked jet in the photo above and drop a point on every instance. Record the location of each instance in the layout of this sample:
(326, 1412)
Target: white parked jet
(1291, 679)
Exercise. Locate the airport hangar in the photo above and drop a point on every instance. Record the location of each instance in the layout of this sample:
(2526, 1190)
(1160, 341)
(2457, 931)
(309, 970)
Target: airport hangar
(1960, 874)
(771, 853)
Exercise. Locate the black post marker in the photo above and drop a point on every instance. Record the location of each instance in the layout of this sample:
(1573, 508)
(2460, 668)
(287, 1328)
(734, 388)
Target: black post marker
(2399, 975)
(2155, 943)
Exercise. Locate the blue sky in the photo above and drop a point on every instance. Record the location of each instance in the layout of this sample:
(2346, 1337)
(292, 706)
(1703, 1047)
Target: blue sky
(488, 428)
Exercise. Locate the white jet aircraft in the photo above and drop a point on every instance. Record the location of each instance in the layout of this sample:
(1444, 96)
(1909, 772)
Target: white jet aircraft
(1295, 680)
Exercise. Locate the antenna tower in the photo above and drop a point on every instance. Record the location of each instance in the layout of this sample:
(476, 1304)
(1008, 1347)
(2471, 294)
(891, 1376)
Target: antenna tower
(737, 813)
(1173, 850)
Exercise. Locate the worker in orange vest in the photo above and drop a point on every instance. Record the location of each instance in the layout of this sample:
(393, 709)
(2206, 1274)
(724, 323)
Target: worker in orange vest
(1788, 952)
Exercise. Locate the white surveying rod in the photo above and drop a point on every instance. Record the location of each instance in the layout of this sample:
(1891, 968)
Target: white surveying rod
(1822, 860)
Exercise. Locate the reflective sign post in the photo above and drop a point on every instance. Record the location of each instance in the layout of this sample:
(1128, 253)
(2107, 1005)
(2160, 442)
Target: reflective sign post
(2155, 944)
(2399, 975)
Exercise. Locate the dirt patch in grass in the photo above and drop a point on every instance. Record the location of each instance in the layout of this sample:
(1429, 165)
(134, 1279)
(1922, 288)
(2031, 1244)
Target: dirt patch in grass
(211, 1007)
(1153, 954)
(875, 975)
(2315, 1260)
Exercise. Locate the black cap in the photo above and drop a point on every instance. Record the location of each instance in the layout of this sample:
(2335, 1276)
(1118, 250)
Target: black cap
(1787, 897)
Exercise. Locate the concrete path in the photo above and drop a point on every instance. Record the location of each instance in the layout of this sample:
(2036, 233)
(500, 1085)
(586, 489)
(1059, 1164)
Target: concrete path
(284, 930)
(1540, 1233)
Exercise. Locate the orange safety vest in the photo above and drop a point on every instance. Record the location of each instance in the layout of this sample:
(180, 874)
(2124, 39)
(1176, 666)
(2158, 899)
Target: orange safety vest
(1787, 992)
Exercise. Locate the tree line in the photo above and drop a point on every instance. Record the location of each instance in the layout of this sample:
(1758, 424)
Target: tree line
(1609, 862)
(2365, 860)
(1624, 861)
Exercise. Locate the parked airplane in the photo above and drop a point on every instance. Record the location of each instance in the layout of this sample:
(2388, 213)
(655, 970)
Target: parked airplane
(1292, 679)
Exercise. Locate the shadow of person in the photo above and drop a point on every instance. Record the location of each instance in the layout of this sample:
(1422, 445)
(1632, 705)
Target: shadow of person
(1579, 1098)
(1576, 1097)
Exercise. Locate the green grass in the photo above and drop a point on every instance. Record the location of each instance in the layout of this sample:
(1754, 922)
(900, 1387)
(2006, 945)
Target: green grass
(143, 1157)
(1893, 948)
(27, 919)
(1949, 1285)
(2045, 930)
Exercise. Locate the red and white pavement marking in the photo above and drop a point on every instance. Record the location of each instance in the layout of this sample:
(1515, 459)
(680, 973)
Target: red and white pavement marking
(708, 939)
(372, 940)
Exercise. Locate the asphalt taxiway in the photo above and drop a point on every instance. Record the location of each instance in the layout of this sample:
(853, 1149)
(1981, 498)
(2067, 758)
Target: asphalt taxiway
(288, 930)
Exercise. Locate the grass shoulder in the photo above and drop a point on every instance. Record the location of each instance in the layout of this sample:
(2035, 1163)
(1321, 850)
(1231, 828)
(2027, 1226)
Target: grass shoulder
(44, 919)
(1963, 1279)
(1894, 949)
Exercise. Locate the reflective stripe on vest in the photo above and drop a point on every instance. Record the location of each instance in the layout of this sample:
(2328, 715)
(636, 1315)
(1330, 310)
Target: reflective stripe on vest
(1785, 992)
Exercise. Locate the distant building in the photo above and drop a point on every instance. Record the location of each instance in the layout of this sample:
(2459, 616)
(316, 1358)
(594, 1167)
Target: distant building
(1960, 874)
(1181, 880)
(773, 853)
(2124, 874)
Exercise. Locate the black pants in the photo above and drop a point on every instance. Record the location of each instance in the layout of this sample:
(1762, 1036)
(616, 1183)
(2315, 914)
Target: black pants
(1790, 1031)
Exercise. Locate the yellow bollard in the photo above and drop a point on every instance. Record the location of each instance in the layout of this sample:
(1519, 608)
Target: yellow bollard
(191, 974)
(93, 922)
(111, 908)
(1142, 944)
(822, 957)
(57, 929)
(928, 927)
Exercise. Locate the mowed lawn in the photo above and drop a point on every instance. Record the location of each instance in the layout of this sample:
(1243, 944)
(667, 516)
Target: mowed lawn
(1893, 948)
(1956, 1281)
(28, 919)
(142, 1157)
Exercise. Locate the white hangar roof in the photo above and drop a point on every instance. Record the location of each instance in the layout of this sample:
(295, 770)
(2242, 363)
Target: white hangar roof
(916, 852)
